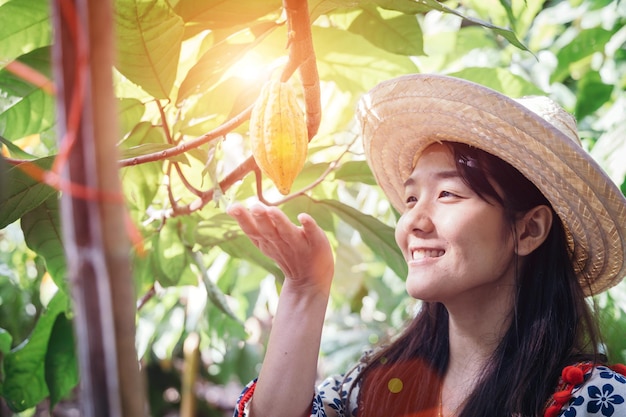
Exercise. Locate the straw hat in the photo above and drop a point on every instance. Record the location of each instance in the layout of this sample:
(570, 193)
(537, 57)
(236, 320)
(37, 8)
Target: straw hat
(401, 117)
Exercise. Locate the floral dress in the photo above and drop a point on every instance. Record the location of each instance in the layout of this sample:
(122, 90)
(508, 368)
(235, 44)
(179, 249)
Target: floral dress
(584, 390)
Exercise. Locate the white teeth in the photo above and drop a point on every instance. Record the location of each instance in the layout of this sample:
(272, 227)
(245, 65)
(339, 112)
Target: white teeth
(426, 253)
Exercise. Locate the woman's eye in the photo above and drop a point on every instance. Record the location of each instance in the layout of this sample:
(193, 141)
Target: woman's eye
(411, 200)
(444, 194)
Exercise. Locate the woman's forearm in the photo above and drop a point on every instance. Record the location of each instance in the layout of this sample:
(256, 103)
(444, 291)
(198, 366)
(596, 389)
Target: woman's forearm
(286, 383)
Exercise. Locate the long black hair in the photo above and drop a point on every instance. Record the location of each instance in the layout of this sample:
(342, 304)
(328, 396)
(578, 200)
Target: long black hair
(552, 325)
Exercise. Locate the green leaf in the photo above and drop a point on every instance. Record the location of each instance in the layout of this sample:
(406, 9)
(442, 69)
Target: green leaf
(129, 111)
(226, 14)
(352, 62)
(507, 34)
(500, 79)
(405, 6)
(141, 182)
(172, 257)
(43, 235)
(245, 360)
(240, 247)
(310, 173)
(509, 11)
(375, 234)
(25, 384)
(24, 192)
(24, 27)
(613, 325)
(5, 346)
(584, 45)
(392, 31)
(215, 230)
(149, 37)
(355, 171)
(24, 108)
(61, 366)
(5, 342)
(14, 150)
(592, 94)
(304, 204)
(214, 293)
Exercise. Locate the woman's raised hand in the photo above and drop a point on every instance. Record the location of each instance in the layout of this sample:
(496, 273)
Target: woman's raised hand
(303, 252)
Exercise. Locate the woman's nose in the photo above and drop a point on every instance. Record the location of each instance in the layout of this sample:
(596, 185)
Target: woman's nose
(418, 219)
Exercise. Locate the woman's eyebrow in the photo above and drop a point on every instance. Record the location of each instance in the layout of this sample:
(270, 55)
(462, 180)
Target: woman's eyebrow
(439, 175)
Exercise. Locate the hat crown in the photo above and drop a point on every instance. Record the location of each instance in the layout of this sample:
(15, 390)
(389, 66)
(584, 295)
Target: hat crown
(552, 113)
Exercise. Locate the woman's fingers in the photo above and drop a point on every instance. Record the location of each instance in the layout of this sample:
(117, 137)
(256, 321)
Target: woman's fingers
(265, 225)
(302, 252)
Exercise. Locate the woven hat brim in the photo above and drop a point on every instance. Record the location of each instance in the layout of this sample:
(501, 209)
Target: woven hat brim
(401, 117)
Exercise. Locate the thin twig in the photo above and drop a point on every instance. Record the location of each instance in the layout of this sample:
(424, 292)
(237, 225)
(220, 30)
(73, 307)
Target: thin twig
(146, 297)
(183, 147)
(186, 182)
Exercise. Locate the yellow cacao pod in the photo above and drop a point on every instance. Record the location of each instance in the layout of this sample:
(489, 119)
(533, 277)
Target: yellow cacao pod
(278, 134)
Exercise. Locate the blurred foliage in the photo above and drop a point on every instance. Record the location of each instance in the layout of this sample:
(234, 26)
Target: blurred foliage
(200, 64)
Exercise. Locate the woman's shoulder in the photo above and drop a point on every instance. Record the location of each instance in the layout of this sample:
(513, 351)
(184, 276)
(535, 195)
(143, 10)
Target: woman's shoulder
(587, 389)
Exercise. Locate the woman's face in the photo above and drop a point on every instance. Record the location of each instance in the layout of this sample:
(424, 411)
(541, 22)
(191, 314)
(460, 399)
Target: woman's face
(459, 247)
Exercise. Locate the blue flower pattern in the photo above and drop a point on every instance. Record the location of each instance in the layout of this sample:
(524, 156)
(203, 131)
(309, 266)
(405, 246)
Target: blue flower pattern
(602, 394)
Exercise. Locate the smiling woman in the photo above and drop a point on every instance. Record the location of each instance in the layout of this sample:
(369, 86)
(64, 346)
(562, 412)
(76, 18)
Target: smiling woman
(459, 243)
(506, 225)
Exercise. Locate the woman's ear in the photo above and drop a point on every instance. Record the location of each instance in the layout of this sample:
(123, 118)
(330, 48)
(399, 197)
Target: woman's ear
(533, 229)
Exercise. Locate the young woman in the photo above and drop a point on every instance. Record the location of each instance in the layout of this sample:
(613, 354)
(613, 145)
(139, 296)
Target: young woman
(507, 226)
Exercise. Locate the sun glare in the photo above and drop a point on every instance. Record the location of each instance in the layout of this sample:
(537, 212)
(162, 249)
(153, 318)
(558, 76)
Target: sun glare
(253, 66)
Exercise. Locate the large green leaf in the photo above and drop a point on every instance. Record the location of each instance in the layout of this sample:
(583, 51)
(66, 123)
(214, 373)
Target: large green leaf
(587, 43)
(507, 34)
(5, 343)
(392, 31)
(592, 94)
(141, 182)
(225, 14)
(355, 171)
(240, 247)
(352, 62)
(422, 6)
(42, 233)
(24, 108)
(129, 111)
(375, 234)
(5, 346)
(15, 151)
(500, 79)
(171, 255)
(24, 384)
(304, 204)
(61, 366)
(24, 27)
(24, 192)
(405, 6)
(149, 36)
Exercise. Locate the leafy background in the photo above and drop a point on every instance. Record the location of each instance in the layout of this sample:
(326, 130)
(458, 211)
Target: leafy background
(185, 68)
